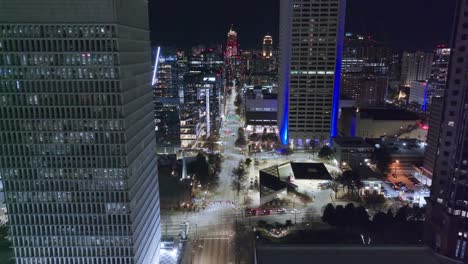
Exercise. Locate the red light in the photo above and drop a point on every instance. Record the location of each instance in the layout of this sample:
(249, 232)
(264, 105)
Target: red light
(425, 127)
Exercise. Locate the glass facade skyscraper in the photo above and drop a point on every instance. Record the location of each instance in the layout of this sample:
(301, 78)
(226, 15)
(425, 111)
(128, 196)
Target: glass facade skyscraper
(77, 142)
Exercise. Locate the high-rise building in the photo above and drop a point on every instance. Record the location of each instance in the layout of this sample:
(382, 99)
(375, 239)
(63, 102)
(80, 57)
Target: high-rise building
(166, 97)
(231, 45)
(415, 67)
(267, 46)
(310, 67)
(430, 155)
(200, 113)
(77, 141)
(447, 212)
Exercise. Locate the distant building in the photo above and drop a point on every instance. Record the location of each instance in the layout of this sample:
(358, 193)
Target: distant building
(166, 85)
(415, 67)
(351, 151)
(376, 122)
(367, 89)
(310, 70)
(439, 67)
(420, 94)
(231, 46)
(261, 105)
(267, 46)
(201, 110)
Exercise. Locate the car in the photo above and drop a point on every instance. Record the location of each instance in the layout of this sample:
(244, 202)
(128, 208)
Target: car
(282, 211)
(266, 212)
(295, 211)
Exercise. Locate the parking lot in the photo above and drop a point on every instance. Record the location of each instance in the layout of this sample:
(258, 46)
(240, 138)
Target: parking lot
(406, 188)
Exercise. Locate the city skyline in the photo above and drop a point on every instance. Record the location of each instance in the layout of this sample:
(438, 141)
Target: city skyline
(193, 26)
(207, 132)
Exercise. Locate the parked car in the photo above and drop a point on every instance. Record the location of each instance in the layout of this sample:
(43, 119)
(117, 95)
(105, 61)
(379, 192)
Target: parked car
(266, 212)
(282, 211)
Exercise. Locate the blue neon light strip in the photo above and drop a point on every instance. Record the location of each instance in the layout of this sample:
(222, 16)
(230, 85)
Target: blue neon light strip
(337, 82)
(156, 63)
(285, 122)
(424, 105)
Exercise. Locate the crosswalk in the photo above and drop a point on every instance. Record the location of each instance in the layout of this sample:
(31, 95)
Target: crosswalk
(217, 205)
(219, 234)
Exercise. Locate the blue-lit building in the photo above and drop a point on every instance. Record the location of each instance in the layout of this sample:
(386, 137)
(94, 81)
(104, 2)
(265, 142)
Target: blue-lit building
(310, 67)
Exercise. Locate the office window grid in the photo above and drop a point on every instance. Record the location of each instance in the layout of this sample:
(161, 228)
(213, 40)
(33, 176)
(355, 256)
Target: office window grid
(62, 144)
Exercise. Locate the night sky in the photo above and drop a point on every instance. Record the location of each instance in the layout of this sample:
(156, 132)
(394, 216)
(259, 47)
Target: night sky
(404, 24)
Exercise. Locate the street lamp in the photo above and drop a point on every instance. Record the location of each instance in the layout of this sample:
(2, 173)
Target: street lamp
(396, 167)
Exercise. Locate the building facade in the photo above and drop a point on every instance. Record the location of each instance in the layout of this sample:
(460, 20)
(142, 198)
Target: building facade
(267, 47)
(311, 40)
(415, 67)
(430, 155)
(77, 138)
(447, 213)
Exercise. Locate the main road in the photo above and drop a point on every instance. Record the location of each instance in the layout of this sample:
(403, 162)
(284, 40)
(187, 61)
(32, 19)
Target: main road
(210, 230)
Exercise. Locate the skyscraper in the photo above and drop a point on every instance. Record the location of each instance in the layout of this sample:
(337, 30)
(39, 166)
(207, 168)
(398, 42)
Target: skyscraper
(77, 137)
(447, 213)
(231, 45)
(311, 40)
(415, 67)
(267, 46)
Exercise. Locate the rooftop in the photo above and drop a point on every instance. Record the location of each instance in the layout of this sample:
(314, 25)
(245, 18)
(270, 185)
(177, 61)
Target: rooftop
(300, 170)
(387, 114)
(273, 254)
(351, 142)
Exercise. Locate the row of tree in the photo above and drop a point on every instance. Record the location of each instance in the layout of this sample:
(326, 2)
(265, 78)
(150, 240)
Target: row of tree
(238, 104)
(349, 180)
(206, 169)
(350, 216)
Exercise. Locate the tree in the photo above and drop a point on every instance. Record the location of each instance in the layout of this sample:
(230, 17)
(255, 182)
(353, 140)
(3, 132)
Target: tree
(214, 169)
(239, 175)
(360, 217)
(340, 212)
(240, 141)
(329, 214)
(334, 185)
(374, 198)
(325, 152)
(402, 214)
(248, 161)
(351, 180)
(248, 201)
(346, 179)
(383, 159)
(241, 242)
(348, 214)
